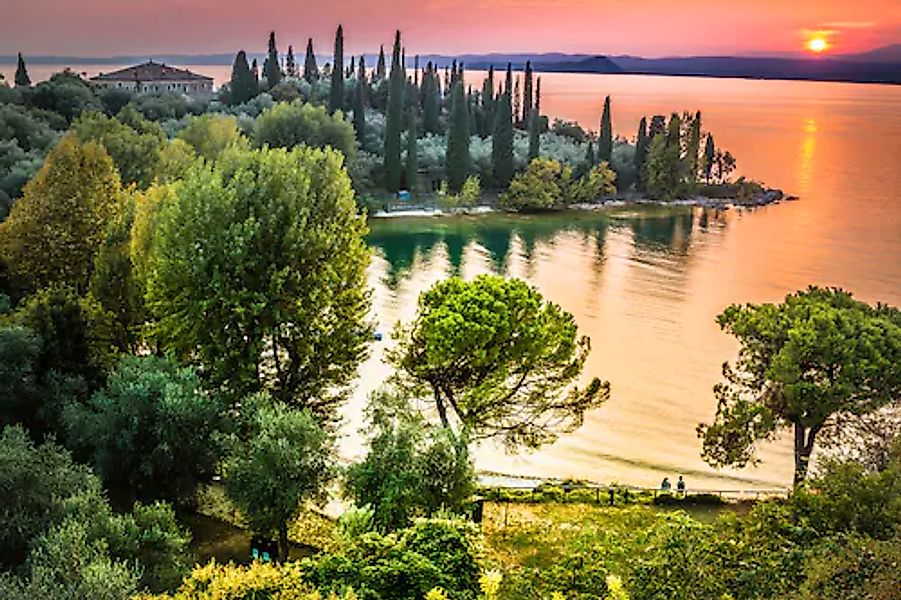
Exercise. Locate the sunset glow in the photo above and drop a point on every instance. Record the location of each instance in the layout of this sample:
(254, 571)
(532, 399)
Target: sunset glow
(817, 45)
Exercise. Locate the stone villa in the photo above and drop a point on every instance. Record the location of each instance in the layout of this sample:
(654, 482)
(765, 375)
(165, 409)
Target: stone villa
(153, 78)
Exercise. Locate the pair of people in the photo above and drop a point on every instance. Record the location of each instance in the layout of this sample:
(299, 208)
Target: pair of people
(667, 486)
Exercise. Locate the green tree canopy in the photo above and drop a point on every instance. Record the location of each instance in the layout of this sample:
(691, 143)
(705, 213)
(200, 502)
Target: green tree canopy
(272, 69)
(412, 469)
(804, 364)
(502, 142)
(336, 95)
(243, 85)
(394, 120)
(605, 136)
(134, 151)
(210, 135)
(53, 231)
(310, 70)
(542, 186)
(22, 78)
(257, 273)
(153, 432)
(458, 159)
(499, 360)
(290, 125)
(286, 461)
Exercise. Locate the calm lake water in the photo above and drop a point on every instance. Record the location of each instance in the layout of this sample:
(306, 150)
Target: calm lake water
(646, 285)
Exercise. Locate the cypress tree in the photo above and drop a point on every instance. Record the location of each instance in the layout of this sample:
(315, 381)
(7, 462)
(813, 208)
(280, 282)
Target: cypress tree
(271, 69)
(508, 84)
(458, 140)
(412, 165)
(336, 98)
(351, 68)
(590, 158)
(605, 141)
(709, 156)
(360, 110)
(517, 101)
(488, 104)
(380, 68)
(538, 96)
(657, 126)
(310, 69)
(290, 64)
(255, 70)
(641, 146)
(22, 78)
(363, 81)
(416, 70)
(693, 148)
(502, 142)
(394, 120)
(534, 138)
(527, 95)
(431, 97)
(674, 132)
(242, 86)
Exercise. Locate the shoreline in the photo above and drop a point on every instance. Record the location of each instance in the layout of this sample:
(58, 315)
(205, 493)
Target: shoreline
(769, 196)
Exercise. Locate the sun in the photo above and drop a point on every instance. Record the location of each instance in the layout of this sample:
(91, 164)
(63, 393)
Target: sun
(817, 44)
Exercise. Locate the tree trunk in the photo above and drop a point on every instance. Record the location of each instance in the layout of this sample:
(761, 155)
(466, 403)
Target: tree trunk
(803, 449)
(283, 543)
(442, 409)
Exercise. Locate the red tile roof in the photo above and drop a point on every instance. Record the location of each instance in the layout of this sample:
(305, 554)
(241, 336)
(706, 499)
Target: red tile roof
(151, 71)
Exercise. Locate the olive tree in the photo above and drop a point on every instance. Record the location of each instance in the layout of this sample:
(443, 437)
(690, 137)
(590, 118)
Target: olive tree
(499, 360)
(286, 460)
(805, 364)
(257, 272)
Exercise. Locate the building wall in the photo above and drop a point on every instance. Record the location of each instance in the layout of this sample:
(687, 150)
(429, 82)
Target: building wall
(193, 88)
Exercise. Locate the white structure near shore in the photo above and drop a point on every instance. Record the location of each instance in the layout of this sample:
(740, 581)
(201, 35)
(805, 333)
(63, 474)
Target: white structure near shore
(157, 78)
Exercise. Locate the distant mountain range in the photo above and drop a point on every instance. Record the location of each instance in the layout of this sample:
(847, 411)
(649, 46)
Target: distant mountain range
(882, 65)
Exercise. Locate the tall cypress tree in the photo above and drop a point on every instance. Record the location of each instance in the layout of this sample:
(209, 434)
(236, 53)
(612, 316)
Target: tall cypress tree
(709, 156)
(538, 96)
(641, 146)
(255, 71)
(412, 165)
(394, 120)
(360, 110)
(272, 70)
(458, 140)
(380, 68)
(517, 101)
(351, 68)
(242, 86)
(488, 103)
(290, 63)
(657, 126)
(431, 101)
(336, 98)
(416, 70)
(534, 137)
(22, 78)
(605, 141)
(693, 148)
(502, 142)
(363, 81)
(527, 101)
(310, 69)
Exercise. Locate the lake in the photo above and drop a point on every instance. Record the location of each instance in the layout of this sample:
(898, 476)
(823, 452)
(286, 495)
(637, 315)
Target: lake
(646, 284)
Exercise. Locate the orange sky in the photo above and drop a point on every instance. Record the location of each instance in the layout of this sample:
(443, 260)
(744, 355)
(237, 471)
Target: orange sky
(643, 27)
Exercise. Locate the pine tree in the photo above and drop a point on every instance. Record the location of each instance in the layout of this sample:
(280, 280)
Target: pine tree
(310, 69)
(380, 68)
(412, 165)
(458, 160)
(242, 86)
(290, 64)
(502, 142)
(641, 146)
(709, 156)
(534, 137)
(336, 98)
(527, 103)
(22, 78)
(605, 141)
(394, 120)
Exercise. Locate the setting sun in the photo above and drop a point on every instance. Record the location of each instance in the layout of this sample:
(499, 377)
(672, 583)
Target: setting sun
(817, 44)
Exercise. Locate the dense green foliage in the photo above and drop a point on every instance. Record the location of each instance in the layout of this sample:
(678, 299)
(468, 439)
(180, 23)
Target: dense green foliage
(412, 469)
(286, 460)
(498, 359)
(153, 432)
(291, 125)
(810, 362)
(394, 120)
(256, 273)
